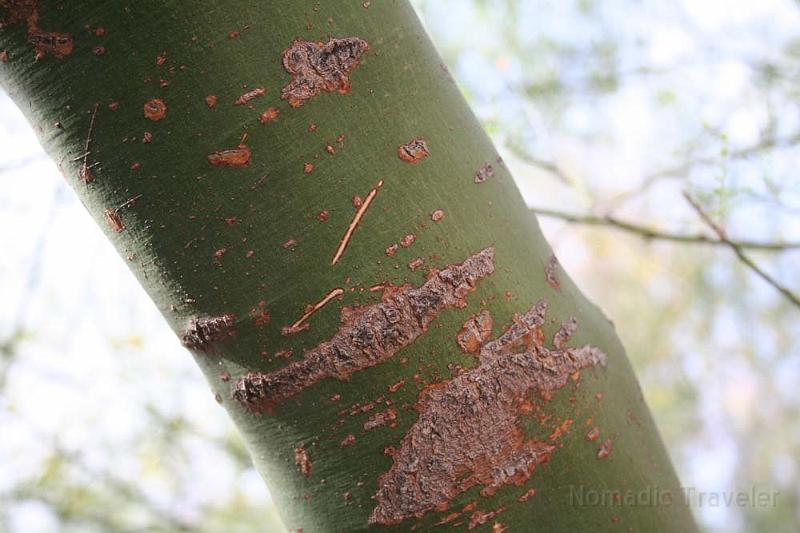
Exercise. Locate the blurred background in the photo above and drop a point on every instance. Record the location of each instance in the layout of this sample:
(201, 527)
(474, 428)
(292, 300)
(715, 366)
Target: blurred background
(608, 113)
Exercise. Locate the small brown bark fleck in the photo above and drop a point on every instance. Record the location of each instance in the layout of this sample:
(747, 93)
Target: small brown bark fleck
(593, 434)
(303, 461)
(232, 157)
(270, 114)
(551, 272)
(605, 449)
(155, 109)
(437, 216)
(250, 95)
(330, 149)
(408, 240)
(211, 101)
(527, 495)
(3, 56)
(416, 263)
(391, 250)
(308, 168)
(147, 137)
(347, 441)
(484, 173)
(380, 419)
(323, 215)
(317, 67)
(113, 220)
(480, 517)
(413, 151)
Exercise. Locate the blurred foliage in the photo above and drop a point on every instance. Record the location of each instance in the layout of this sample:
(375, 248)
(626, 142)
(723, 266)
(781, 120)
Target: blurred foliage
(609, 108)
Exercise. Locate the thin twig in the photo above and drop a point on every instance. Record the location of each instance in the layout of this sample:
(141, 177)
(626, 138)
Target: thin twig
(356, 220)
(317, 306)
(792, 297)
(651, 233)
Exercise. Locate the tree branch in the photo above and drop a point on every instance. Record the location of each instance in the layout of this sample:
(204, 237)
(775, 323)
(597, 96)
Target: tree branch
(737, 249)
(654, 234)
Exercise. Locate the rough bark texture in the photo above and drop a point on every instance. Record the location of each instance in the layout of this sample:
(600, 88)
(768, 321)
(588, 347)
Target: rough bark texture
(224, 147)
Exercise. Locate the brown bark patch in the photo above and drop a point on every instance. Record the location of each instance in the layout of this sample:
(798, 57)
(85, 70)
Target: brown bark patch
(303, 461)
(231, 157)
(414, 151)
(250, 95)
(317, 67)
(270, 114)
(468, 430)
(113, 219)
(155, 109)
(484, 173)
(368, 335)
(202, 332)
(551, 272)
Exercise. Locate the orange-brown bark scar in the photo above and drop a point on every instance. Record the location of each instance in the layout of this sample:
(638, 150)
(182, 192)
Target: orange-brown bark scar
(317, 67)
(368, 335)
(338, 291)
(468, 432)
(355, 222)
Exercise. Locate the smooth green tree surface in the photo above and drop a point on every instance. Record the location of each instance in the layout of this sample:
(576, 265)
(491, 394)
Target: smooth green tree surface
(343, 264)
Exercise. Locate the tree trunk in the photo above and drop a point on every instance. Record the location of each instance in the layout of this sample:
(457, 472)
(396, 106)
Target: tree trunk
(308, 199)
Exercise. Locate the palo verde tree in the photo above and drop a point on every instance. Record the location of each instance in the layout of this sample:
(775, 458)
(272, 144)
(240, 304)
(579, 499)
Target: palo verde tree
(307, 198)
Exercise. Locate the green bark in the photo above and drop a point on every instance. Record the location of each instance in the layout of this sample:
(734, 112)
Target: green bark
(208, 241)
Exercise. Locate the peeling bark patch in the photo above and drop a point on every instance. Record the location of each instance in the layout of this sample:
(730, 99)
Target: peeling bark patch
(202, 332)
(114, 220)
(232, 157)
(416, 263)
(527, 495)
(413, 151)
(476, 331)
(355, 222)
(369, 335)
(155, 109)
(380, 419)
(551, 272)
(347, 441)
(468, 430)
(302, 460)
(317, 67)
(250, 95)
(484, 173)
